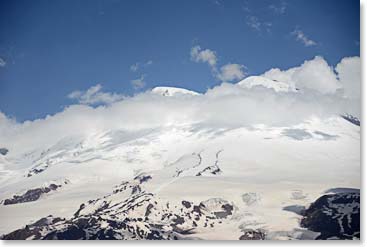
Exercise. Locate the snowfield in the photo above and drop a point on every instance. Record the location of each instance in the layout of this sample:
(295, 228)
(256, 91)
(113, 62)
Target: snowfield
(182, 163)
(184, 180)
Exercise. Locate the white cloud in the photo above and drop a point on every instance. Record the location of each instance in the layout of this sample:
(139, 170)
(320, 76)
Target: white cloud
(314, 74)
(225, 106)
(7, 125)
(280, 75)
(134, 67)
(349, 74)
(203, 56)
(139, 82)
(231, 72)
(228, 72)
(253, 22)
(245, 7)
(93, 96)
(318, 75)
(2, 62)
(279, 8)
(258, 25)
(300, 36)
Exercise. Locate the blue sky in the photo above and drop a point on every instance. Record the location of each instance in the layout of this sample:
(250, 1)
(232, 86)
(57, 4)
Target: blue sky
(49, 49)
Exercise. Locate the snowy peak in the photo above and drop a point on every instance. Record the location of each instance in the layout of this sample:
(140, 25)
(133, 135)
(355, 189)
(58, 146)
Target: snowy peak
(277, 86)
(172, 91)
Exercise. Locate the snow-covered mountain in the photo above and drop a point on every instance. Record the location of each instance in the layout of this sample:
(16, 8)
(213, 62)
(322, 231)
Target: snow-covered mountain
(277, 86)
(172, 91)
(188, 181)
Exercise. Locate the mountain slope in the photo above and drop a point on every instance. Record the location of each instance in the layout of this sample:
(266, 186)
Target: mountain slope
(172, 91)
(277, 86)
(239, 180)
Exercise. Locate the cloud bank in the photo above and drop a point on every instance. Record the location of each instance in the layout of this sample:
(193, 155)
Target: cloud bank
(323, 92)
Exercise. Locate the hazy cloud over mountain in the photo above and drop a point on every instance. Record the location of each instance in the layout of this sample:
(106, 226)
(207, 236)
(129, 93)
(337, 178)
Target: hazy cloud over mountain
(323, 92)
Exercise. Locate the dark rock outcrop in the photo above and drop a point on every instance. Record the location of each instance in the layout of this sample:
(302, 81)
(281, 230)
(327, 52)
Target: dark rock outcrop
(137, 215)
(334, 216)
(3, 151)
(253, 235)
(31, 195)
(354, 120)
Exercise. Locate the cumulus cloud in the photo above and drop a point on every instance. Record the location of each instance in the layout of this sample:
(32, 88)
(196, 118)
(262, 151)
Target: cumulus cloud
(300, 36)
(203, 56)
(280, 75)
(94, 96)
(139, 82)
(231, 72)
(314, 74)
(349, 74)
(228, 72)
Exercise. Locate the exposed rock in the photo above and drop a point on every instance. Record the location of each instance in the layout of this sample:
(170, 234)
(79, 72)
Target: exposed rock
(142, 178)
(31, 231)
(227, 210)
(36, 171)
(3, 151)
(219, 207)
(186, 204)
(214, 170)
(253, 235)
(352, 119)
(211, 170)
(149, 209)
(342, 190)
(334, 216)
(103, 219)
(31, 195)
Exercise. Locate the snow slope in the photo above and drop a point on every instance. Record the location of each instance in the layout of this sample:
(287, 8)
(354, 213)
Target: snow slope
(173, 91)
(277, 86)
(258, 171)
